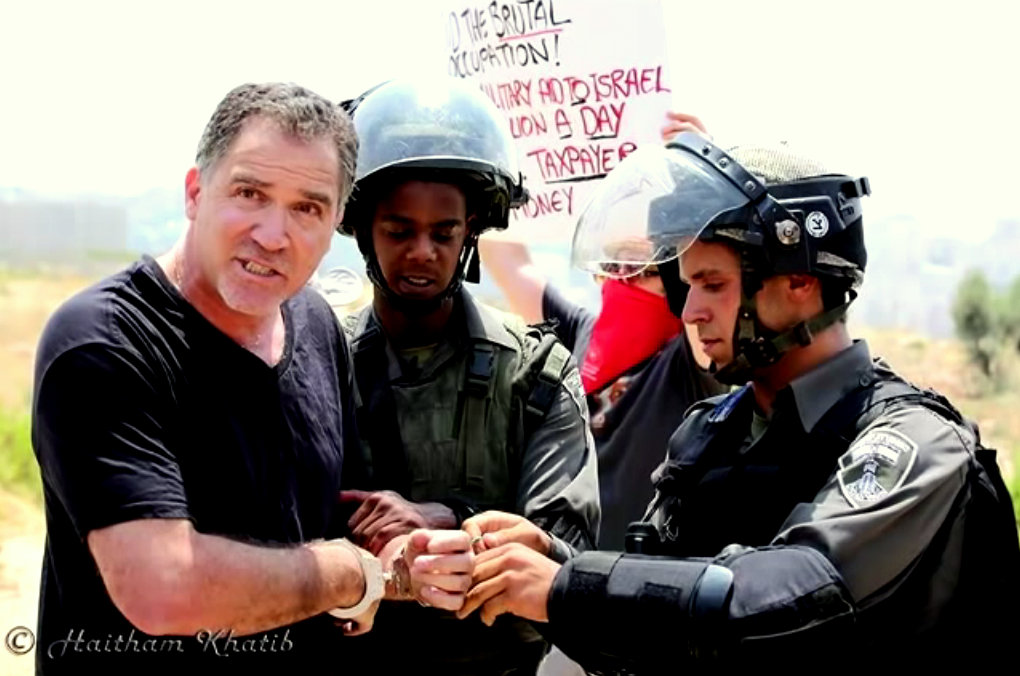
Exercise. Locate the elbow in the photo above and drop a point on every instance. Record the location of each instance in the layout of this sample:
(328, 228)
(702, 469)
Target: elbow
(158, 604)
(159, 618)
(152, 573)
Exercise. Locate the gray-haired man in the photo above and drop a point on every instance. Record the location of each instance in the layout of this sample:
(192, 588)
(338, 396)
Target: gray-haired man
(192, 416)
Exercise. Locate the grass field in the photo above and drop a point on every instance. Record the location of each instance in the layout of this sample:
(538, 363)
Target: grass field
(26, 301)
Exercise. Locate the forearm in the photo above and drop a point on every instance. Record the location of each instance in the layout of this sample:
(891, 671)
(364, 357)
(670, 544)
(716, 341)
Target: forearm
(510, 265)
(250, 588)
(559, 480)
(610, 610)
(189, 581)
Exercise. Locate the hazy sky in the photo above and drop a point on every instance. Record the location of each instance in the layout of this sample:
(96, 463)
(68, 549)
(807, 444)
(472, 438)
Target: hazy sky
(111, 97)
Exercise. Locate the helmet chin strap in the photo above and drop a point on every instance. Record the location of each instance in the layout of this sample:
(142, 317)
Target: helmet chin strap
(756, 346)
(417, 307)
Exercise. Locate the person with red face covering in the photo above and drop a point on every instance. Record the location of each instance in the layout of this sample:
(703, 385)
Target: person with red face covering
(637, 366)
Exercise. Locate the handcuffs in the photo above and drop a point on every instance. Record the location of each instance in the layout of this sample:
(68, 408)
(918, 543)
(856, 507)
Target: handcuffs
(376, 581)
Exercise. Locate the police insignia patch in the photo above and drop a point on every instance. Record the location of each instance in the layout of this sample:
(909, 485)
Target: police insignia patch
(875, 465)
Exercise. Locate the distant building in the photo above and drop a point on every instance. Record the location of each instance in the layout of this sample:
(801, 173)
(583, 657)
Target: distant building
(84, 235)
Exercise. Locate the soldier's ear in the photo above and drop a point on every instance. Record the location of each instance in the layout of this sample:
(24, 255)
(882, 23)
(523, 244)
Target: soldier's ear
(802, 288)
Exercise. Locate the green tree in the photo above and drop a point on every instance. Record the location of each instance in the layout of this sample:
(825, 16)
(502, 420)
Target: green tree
(1009, 314)
(975, 318)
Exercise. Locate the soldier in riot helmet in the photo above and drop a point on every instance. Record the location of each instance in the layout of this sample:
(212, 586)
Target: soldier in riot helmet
(822, 507)
(461, 408)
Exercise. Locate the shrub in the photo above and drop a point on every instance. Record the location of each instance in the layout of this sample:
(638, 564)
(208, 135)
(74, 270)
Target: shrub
(19, 471)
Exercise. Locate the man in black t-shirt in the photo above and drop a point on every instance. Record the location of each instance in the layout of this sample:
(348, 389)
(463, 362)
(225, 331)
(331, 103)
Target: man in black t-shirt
(193, 420)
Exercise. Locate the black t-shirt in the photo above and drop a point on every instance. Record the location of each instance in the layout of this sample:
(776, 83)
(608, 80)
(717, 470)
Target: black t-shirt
(143, 409)
(633, 417)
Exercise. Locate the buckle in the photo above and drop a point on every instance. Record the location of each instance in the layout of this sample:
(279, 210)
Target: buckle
(480, 369)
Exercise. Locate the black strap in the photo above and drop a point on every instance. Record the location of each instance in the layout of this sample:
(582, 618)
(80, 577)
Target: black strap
(757, 351)
(528, 406)
(853, 413)
(539, 378)
(474, 414)
(864, 404)
(377, 414)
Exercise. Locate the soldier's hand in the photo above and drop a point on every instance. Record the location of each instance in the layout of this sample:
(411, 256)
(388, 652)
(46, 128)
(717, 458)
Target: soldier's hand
(440, 563)
(383, 515)
(492, 529)
(513, 579)
(680, 122)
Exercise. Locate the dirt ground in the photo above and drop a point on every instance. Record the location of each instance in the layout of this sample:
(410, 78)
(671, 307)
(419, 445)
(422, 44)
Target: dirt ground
(22, 533)
(26, 302)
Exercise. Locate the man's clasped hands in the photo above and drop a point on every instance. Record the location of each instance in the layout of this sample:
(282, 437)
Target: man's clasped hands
(496, 563)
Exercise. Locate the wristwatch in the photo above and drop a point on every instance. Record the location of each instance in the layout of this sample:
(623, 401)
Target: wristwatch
(400, 577)
(375, 582)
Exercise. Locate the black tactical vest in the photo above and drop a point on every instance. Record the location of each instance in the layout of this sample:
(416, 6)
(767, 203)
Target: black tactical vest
(716, 490)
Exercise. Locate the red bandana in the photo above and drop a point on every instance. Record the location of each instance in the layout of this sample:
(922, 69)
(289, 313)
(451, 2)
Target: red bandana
(633, 325)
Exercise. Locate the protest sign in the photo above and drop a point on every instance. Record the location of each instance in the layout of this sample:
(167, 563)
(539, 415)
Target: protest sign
(582, 83)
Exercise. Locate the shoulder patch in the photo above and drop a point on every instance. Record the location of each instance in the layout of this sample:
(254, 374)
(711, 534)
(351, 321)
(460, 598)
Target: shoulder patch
(875, 465)
(572, 383)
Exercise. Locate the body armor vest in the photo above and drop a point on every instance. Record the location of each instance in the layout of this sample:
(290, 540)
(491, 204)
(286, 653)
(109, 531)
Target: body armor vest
(716, 490)
(456, 430)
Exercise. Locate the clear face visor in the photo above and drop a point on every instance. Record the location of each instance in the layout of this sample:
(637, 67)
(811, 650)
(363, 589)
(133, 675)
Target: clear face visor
(649, 210)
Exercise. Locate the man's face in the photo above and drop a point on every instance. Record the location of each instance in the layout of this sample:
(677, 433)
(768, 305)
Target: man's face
(263, 217)
(418, 232)
(713, 272)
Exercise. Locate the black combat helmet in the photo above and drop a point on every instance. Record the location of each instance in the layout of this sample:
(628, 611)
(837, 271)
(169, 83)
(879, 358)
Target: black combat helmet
(443, 130)
(783, 213)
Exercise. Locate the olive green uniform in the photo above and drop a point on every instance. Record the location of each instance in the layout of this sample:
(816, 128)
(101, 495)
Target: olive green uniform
(444, 423)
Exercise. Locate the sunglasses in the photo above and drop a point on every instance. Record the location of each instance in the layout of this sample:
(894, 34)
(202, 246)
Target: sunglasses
(627, 270)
